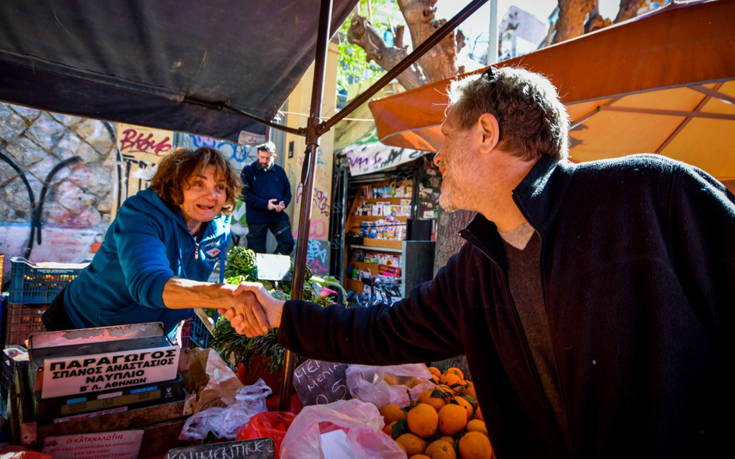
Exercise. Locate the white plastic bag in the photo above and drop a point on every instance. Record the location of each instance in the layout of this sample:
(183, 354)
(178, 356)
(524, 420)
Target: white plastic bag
(226, 422)
(361, 422)
(381, 385)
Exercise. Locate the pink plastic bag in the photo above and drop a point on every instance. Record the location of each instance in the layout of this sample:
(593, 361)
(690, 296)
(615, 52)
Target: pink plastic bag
(361, 423)
(381, 385)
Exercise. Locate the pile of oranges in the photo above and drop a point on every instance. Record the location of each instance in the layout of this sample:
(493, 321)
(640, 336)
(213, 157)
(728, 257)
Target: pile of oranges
(444, 423)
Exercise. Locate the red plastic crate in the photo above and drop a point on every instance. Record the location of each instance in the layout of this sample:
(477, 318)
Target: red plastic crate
(22, 320)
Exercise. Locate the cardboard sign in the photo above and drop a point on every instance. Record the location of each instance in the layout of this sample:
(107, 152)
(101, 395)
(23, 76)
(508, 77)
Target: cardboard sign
(318, 382)
(259, 448)
(95, 372)
(273, 267)
(124, 444)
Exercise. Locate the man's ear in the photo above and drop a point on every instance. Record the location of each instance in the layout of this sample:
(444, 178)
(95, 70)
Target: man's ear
(490, 131)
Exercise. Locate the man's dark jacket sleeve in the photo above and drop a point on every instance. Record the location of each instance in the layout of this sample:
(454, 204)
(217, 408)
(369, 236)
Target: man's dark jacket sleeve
(251, 199)
(286, 194)
(420, 328)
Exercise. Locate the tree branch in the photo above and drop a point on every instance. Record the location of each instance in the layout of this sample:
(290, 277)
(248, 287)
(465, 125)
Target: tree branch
(364, 35)
(441, 61)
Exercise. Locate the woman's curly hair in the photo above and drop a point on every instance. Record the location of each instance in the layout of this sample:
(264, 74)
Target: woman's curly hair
(177, 167)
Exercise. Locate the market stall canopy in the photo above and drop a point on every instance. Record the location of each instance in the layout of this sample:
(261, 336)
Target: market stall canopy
(183, 65)
(662, 83)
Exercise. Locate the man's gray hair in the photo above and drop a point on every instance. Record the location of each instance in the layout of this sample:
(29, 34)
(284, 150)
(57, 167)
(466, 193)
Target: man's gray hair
(533, 121)
(269, 146)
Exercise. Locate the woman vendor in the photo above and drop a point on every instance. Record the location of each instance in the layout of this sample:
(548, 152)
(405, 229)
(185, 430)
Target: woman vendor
(159, 251)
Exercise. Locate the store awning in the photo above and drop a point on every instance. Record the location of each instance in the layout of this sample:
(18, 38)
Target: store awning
(369, 155)
(663, 83)
(183, 65)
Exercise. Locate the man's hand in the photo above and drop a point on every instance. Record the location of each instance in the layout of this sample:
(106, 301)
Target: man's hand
(258, 311)
(272, 205)
(281, 206)
(252, 319)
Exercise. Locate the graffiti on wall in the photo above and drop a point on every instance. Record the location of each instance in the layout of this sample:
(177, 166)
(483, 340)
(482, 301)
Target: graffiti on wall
(238, 155)
(141, 150)
(373, 157)
(321, 200)
(317, 256)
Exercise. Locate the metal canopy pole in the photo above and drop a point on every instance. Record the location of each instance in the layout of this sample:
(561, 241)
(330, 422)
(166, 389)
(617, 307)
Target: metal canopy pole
(406, 62)
(307, 182)
(314, 129)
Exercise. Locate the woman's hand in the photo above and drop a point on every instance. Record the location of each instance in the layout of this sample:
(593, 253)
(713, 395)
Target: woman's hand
(255, 310)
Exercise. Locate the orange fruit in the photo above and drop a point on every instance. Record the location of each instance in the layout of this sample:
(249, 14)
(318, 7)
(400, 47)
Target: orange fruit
(441, 449)
(475, 425)
(422, 420)
(452, 419)
(475, 445)
(445, 389)
(419, 456)
(447, 438)
(478, 414)
(470, 389)
(426, 397)
(389, 428)
(456, 371)
(435, 371)
(461, 401)
(450, 379)
(390, 379)
(392, 412)
(411, 444)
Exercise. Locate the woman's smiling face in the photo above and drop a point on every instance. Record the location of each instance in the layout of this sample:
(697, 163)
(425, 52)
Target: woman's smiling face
(204, 195)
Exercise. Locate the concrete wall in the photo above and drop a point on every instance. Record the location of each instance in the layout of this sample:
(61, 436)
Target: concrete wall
(79, 198)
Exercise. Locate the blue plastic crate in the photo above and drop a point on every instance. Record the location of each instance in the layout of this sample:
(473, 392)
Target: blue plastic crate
(200, 336)
(39, 284)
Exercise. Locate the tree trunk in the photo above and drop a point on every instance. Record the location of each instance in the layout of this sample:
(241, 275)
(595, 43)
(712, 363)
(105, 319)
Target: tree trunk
(364, 35)
(441, 61)
(628, 9)
(572, 17)
(448, 240)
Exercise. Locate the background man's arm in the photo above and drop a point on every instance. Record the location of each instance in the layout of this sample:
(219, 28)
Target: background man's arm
(251, 199)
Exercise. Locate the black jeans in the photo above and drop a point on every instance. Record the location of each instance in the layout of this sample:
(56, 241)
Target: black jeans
(55, 316)
(280, 229)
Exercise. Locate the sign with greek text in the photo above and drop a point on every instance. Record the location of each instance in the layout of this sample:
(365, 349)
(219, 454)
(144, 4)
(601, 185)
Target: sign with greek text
(123, 444)
(259, 448)
(95, 372)
(373, 157)
(318, 382)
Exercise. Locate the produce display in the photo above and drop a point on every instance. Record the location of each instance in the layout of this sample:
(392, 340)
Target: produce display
(444, 423)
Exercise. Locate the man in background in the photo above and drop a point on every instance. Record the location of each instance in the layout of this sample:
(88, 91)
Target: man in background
(267, 193)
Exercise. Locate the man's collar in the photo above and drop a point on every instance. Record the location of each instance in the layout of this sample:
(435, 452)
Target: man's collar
(538, 196)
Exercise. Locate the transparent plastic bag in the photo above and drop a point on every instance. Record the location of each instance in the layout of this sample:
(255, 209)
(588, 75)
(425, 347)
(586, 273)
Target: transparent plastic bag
(360, 422)
(225, 422)
(381, 385)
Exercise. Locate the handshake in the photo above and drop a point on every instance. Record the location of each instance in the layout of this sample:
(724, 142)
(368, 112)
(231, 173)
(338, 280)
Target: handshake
(253, 311)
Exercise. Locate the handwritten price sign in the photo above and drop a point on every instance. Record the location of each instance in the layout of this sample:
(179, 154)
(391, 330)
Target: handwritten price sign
(318, 382)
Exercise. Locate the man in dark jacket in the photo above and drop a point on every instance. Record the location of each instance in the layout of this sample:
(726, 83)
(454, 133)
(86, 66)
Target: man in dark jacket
(267, 194)
(591, 299)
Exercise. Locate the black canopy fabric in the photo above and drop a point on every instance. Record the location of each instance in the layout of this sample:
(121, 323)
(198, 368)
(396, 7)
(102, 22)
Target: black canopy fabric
(170, 64)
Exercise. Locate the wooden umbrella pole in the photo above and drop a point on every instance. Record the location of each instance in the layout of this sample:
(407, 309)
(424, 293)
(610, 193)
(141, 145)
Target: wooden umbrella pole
(307, 182)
